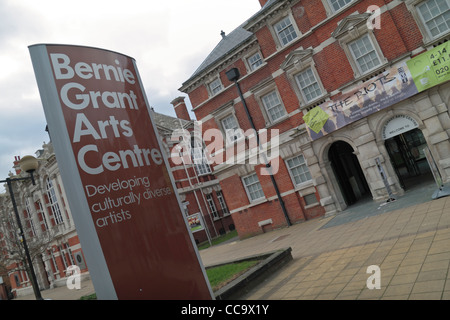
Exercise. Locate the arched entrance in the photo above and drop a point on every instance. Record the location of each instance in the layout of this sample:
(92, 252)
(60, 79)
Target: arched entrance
(406, 151)
(348, 172)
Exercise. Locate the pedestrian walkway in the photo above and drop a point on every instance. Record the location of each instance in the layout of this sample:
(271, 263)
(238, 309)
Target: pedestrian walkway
(409, 240)
(410, 245)
(64, 293)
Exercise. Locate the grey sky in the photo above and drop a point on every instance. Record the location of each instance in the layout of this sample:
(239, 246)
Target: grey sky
(168, 39)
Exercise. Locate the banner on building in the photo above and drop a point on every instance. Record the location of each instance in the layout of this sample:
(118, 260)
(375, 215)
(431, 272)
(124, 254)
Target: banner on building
(196, 222)
(392, 86)
(431, 68)
(122, 196)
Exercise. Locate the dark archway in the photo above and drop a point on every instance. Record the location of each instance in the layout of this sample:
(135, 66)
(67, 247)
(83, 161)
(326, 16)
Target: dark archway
(348, 172)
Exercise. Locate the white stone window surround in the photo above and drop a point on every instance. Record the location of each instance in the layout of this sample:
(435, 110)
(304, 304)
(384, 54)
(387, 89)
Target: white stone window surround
(254, 61)
(285, 31)
(263, 89)
(274, 108)
(278, 18)
(428, 39)
(231, 128)
(309, 84)
(299, 61)
(253, 187)
(357, 47)
(354, 27)
(225, 111)
(330, 9)
(304, 175)
(214, 86)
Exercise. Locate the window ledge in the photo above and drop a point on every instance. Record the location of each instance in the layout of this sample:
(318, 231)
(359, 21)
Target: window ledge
(304, 185)
(316, 102)
(312, 205)
(430, 43)
(278, 121)
(256, 202)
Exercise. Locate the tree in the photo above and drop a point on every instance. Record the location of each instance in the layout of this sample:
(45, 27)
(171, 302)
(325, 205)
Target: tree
(12, 253)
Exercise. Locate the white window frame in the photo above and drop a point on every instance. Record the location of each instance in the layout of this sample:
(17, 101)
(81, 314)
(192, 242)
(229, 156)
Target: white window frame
(53, 201)
(279, 105)
(355, 59)
(215, 87)
(354, 27)
(428, 40)
(293, 176)
(279, 32)
(212, 206)
(424, 23)
(297, 62)
(316, 81)
(334, 10)
(253, 183)
(199, 159)
(232, 135)
(262, 89)
(277, 18)
(223, 204)
(252, 66)
(69, 252)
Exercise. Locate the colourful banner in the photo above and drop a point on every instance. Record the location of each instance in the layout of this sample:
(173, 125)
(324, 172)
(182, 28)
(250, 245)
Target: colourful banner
(431, 68)
(394, 85)
(390, 87)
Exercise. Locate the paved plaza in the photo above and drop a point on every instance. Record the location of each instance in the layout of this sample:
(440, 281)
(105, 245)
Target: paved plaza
(409, 240)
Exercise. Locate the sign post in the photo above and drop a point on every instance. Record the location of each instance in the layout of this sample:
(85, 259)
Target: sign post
(385, 181)
(442, 191)
(121, 193)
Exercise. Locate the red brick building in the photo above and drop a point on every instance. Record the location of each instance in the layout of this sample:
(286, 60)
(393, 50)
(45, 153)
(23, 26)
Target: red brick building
(296, 55)
(48, 225)
(48, 222)
(201, 195)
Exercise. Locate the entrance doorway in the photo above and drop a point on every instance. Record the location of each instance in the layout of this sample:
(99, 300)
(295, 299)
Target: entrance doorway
(348, 172)
(408, 158)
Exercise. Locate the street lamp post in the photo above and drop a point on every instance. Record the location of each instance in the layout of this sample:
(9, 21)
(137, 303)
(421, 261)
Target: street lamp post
(28, 164)
(233, 75)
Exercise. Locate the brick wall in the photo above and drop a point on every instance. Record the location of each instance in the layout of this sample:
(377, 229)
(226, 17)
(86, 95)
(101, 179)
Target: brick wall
(398, 36)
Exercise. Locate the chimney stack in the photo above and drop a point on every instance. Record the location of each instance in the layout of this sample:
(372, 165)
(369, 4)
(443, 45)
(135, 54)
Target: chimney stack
(16, 164)
(181, 109)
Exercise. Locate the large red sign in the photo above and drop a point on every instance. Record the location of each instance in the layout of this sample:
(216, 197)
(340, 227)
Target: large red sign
(125, 183)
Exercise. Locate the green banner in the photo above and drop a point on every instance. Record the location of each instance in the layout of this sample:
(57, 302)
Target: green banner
(431, 68)
(316, 119)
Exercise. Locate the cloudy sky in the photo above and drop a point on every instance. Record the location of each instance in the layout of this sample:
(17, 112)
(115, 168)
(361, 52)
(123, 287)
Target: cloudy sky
(168, 39)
